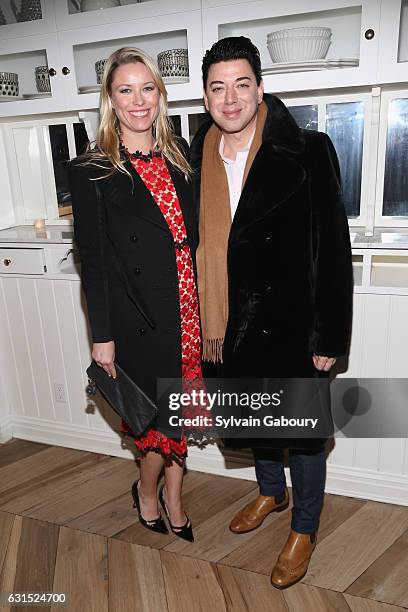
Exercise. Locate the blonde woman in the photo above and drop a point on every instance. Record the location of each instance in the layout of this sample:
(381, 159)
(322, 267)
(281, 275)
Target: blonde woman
(143, 225)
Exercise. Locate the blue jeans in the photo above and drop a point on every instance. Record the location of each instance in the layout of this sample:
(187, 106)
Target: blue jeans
(308, 475)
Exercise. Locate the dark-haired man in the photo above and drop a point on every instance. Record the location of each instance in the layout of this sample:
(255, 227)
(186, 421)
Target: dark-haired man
(274, 271)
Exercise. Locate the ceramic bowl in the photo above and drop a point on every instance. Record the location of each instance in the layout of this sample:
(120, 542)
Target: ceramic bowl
(9, 84)
(300, 48)
(294, 32)
(99, 68)
(173, 63)
(42, 79)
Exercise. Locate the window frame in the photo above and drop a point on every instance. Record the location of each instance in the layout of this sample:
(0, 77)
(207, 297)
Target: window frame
(381, 221)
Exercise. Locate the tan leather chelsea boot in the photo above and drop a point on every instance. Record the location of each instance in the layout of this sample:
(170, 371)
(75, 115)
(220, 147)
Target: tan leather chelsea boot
(253, 514)
(293, 560)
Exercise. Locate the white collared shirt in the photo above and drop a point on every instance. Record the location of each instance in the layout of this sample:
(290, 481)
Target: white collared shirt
(235, 172)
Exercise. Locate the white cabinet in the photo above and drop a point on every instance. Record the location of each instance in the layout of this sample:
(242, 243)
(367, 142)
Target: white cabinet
(82, 47)
(81, 39)
(22, 261)
(393, 49)
(38, 19)
(369, 44)
(354, 38)
(22, 57)
(69, 17)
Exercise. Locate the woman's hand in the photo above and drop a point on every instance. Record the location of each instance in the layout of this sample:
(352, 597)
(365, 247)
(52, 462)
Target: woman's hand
(323, 363)
(104, 355)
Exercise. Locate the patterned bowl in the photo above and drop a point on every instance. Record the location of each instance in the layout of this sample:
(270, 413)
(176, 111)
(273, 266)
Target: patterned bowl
(42, 79)
(99, 68)
(173, 63)
(9, 84)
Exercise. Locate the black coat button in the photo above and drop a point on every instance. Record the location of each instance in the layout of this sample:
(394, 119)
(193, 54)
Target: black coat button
(268, 239)
(265, 332)
(134, 238)
(142, 331)
(268, 289)
(170, 269)
(137, 270)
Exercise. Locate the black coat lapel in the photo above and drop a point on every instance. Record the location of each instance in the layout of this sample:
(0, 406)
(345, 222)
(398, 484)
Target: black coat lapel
(132, 196)
(273, 178)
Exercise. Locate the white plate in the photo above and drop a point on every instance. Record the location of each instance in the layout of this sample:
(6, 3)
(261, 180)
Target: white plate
(10, 98)
(89, 89)
(310, 65)
(40, 94)
(175, 79)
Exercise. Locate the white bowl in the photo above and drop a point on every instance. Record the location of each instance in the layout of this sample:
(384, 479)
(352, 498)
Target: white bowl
(298, 49)
(304, 31)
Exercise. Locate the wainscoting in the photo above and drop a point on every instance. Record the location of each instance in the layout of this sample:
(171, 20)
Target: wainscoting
(45, 342)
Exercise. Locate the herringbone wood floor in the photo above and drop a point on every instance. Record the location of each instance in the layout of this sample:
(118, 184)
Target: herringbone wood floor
(67, 525)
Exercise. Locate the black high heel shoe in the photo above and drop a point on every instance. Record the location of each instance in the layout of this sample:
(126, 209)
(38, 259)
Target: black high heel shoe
(186, 530)
(158, 525)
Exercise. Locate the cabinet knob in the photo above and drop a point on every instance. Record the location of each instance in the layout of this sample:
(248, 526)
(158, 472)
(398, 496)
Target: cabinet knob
(65, 70)
(369, 34)
(7, 262)
(52, 72)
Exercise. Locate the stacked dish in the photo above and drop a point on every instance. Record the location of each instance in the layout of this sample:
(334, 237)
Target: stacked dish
(297, 44)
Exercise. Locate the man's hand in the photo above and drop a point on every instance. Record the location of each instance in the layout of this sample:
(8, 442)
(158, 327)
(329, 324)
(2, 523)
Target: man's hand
(323, 363)
(104, 355)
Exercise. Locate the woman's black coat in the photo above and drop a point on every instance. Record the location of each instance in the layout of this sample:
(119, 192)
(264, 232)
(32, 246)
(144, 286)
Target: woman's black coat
(289, 256)
(128, 269)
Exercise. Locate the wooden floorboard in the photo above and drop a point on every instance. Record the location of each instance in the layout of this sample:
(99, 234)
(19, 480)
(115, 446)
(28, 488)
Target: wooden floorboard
(191, 584)
(136, 580)
(347, 552)
(81, 570)
(20, 498)
(386, 579)
(18, 449)
(67, 524)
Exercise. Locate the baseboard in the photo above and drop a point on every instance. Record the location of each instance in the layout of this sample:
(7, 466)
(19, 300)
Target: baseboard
(6, 429)
(341, 480)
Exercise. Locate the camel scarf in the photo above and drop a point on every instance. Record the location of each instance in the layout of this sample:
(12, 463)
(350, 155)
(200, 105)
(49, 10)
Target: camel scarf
(214, 226)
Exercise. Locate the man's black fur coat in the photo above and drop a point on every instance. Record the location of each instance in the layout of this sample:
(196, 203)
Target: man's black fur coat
(289, 257)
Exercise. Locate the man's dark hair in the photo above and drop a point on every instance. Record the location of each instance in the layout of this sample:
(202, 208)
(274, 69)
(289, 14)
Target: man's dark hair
(232, 48)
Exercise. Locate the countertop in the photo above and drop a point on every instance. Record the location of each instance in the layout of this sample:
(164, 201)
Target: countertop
(392, 238)
(57, 234)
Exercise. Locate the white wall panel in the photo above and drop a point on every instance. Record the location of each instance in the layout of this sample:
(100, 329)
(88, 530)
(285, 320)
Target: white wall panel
(71, 359)
(8, 360)
(46, 301)
(98, 417)
(24, 370)
(397, 361)
(36, 347)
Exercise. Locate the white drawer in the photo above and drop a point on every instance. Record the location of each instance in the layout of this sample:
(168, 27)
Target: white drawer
(22, 261)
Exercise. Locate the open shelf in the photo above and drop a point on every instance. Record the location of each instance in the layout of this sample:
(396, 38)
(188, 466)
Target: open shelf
(345, 24)
(85, 55)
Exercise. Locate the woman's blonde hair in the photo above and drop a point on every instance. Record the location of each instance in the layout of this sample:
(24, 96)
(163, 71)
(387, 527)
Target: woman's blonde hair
(108, 135)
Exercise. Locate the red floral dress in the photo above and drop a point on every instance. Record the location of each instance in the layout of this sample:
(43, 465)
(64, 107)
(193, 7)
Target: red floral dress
(156, 177)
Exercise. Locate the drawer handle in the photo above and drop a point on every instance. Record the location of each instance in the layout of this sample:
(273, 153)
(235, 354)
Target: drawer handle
(7, 262)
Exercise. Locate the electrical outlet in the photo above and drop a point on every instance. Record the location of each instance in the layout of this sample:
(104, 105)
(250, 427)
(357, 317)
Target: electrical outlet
(59, 393)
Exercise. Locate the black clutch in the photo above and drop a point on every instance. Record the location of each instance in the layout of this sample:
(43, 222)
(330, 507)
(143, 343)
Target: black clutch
(125, 397)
